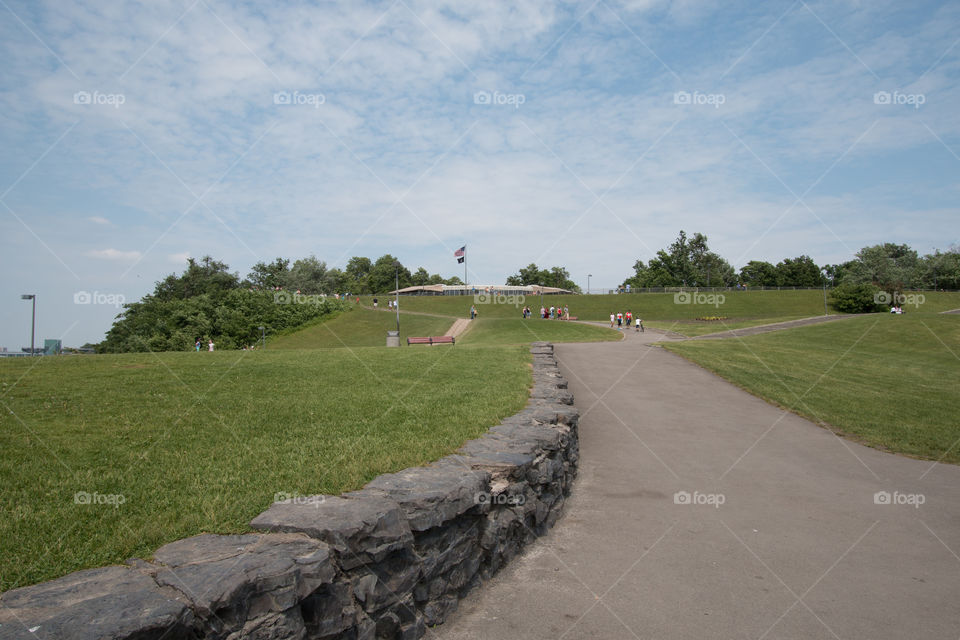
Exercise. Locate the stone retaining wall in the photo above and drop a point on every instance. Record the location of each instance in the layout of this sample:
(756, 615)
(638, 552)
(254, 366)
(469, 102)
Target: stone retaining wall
(383, 562)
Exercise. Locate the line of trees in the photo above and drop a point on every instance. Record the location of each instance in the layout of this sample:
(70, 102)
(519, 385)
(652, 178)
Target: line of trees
(892, 267)
(360, 276)
(552, 277)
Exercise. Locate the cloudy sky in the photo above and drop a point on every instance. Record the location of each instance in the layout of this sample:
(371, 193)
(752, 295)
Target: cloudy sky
(582, 134)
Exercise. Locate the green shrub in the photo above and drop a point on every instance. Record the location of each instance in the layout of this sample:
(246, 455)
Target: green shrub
(855, 298)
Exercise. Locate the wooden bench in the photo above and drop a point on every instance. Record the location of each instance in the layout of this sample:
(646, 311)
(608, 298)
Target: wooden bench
(432, 340)
(573, 318)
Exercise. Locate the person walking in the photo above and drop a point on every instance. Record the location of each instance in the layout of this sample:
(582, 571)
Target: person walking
(613, 320)
(473, 311)
(619, 321)
(639, 325)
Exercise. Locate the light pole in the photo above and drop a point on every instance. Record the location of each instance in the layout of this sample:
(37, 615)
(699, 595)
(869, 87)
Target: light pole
(589, 275)
(33, 318)
(824, 273)
(396, 305)
(263, 337)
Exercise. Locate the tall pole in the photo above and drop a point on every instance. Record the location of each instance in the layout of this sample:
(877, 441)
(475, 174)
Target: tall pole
(33, 318)
(464, 270)
(825, 312)
(589, 275)
(396, 305)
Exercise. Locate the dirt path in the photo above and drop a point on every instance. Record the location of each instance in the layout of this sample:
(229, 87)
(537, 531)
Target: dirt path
(460, 326)
(774, 326)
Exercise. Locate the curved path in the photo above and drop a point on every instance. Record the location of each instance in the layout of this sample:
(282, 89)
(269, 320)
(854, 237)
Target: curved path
(798, 548)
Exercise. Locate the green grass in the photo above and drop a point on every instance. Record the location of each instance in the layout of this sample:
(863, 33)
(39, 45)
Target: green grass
(361, 328)
(888, 381)
(201, 442)
(499, 331)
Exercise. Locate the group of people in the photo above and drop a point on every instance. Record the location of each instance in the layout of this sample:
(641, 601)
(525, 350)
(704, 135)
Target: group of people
(199, 344)
(897, 309)
(619, 320)
(552, 313)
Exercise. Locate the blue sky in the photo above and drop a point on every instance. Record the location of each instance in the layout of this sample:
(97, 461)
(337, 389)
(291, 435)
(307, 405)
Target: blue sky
(137, 134)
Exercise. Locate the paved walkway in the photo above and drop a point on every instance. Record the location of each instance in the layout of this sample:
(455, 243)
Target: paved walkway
(774, 326)
(798, 549)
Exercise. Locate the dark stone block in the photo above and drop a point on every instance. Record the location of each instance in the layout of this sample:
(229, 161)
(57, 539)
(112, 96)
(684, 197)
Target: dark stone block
(113, 603)
(429, 496)
(360, 530)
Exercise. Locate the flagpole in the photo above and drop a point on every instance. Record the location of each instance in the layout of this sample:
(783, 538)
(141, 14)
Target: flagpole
(464, 267)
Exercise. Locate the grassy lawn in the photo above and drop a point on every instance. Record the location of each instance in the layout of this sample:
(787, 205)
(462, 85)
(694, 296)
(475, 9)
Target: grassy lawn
(361, 328)
(175, 444)
(888, 381)
(500, 331)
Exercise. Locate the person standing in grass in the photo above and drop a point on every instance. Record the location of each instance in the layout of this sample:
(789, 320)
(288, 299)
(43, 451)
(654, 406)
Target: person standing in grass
(210, 346)
(613, 320)
(197, 345)
(566, 312)
(473, 311)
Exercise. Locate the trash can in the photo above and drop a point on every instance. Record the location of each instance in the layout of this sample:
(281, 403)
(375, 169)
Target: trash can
(393, 338)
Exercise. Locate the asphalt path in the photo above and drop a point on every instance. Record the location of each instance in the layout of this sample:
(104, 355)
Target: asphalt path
(701, 511)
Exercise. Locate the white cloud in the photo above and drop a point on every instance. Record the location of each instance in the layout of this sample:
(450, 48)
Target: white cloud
(98, 220)
(114, 254)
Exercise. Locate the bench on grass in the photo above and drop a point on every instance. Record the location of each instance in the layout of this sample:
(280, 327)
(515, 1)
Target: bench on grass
(573, 318)
(432, 340)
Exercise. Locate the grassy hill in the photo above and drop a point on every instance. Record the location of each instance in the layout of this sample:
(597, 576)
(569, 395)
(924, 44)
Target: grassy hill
(360, 327)
(173, 444)
(664, 310)
(888, 381)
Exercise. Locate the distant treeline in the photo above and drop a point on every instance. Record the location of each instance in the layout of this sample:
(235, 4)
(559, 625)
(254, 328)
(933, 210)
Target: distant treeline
(892, 267)
(208, 302)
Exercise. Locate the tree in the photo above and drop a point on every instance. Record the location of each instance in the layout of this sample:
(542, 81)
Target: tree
(357, 270)
(206, 276)
(686, 262)
(383, 275)
(758, 273)
(940, 270)
(554, 277)
(798, 272)
(269, 276)
(309, 276)
(892, 267)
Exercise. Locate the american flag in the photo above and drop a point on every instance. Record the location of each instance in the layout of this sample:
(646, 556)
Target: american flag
(458, 254)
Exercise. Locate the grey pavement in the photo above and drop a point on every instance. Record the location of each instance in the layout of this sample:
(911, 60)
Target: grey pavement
(799, 547)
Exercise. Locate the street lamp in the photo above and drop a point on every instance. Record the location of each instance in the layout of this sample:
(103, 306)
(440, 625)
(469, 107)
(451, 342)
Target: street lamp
(589, 275)
(396, 305)
(33, 318)
(263, 337)
(824, 274)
